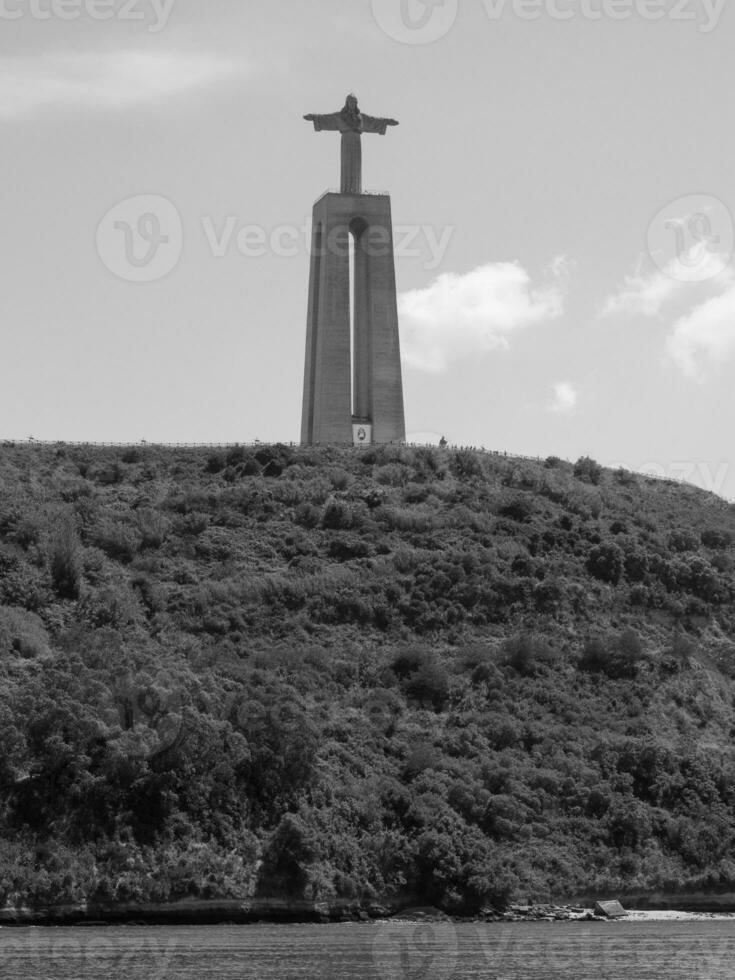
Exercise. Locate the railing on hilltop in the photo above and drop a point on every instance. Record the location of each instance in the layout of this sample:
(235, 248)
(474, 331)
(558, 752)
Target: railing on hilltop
(258, 444)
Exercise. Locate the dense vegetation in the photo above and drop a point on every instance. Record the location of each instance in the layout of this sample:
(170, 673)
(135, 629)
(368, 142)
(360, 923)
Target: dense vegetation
(392, 674)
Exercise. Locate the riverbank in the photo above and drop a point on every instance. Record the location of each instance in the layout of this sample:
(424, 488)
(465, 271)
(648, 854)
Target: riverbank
(571, 913)
(281, 911)
(196, 912)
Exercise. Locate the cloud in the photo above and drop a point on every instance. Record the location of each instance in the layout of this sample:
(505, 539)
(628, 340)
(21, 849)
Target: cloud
(461, 315)
(113, 80)
(701, 310)
(642, 294)
(646, 294)
(705, 334)
(565, 399)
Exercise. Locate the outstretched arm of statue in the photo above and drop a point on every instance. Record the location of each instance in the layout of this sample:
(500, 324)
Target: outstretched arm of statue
(330, 121)
(371, 124)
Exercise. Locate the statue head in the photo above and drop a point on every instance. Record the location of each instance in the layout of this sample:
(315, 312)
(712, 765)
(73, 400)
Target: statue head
(351, 114)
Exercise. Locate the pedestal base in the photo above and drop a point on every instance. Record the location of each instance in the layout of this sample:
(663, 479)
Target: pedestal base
(328, 405)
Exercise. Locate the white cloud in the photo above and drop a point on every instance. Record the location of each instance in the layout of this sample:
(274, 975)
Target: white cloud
(646, 294)
(460, 315)
(705, 334)
(642, 294)
(113, 80)
(701, 310)
(565, 399)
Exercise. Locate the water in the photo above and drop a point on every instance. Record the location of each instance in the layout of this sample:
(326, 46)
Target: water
(377, 951)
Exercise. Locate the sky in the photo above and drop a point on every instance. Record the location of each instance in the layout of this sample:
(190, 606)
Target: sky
(562, 193)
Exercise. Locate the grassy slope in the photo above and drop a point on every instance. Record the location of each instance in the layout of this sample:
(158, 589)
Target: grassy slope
(416, 673)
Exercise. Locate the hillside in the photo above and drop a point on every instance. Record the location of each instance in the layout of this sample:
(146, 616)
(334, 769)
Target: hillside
(389, 675)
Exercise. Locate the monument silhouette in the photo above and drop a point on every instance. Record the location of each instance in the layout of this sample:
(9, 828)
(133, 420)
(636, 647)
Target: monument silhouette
(353, 390)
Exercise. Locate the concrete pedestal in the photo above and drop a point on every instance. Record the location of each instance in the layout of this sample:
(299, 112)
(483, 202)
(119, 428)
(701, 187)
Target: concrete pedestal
(377, 383)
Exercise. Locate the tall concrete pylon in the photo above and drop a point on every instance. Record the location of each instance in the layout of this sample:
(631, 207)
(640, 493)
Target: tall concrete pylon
(353, 389)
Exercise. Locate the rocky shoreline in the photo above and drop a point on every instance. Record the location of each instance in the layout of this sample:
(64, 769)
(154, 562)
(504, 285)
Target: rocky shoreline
(282, 911)
(543, 913)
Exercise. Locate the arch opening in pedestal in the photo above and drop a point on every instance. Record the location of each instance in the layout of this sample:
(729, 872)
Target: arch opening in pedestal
(360, 341)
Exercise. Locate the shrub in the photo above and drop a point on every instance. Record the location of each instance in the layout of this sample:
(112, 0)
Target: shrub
(152, 526)
(716, 539)
(416, 493)
(119, 541)
(407, 662)
(628, 823)
(383, 708)
(216, 463)
(338, 477)
(588, 470)
(22, 632)
(346, 547)
(193, 523)
(392, 475)
(517, 509)
(618, 657)
(465, 464)
(584, 501)
(625, 478)
(22, 529)
(404, 519)
(422, 757)
(109, 475)
(606, 563)
(308, 516)
(429, 686)
(426, 462)
(423, 679)
(524, 653)
(251, 467)
(683, 541)
(339, 516)
(114, 606)
(284, 871)
(705, 583)
(235, 456)
(273, 460)
(636, 566)
(65, 559)
(548, 595)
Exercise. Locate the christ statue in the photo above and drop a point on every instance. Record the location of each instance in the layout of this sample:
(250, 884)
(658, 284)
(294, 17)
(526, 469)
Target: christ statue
(351, 123)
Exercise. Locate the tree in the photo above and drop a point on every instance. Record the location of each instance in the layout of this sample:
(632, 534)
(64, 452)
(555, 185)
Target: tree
(588, 470)
(65, 559)
(286, 858)
(606, 562)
